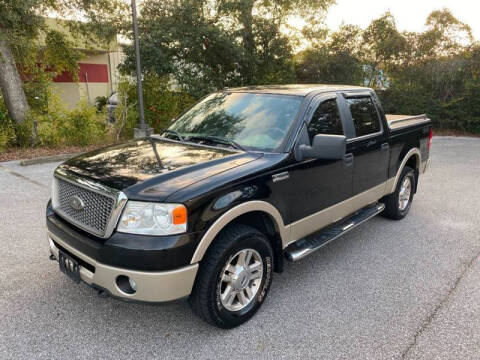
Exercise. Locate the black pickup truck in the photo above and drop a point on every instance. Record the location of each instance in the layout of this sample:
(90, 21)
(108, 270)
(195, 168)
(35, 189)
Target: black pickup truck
(245, 179)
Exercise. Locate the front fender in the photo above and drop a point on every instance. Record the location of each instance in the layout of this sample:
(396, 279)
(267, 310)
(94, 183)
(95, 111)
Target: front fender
(232, 214)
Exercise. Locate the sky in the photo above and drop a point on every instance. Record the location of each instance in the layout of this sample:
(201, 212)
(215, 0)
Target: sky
(410, 15)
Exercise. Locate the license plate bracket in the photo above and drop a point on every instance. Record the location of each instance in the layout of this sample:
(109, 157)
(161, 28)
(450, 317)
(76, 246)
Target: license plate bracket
(69, 266)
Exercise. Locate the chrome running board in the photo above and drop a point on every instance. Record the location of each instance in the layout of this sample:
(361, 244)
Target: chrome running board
(303, 247)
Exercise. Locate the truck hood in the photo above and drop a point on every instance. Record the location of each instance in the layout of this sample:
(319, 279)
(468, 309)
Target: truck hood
(154, 167)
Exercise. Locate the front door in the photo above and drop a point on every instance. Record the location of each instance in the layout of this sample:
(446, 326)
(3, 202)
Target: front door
(319, 184)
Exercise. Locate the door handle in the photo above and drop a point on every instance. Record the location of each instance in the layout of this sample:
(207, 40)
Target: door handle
(348, 159)
(371, 143)
(385, 146)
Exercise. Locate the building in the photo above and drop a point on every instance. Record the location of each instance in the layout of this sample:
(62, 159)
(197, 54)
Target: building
(97, 71)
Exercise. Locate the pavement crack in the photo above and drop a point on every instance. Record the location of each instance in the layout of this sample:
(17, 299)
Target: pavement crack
(428, 320)
(23, 177)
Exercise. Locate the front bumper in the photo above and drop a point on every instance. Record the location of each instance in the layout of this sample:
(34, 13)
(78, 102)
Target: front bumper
(153, 286)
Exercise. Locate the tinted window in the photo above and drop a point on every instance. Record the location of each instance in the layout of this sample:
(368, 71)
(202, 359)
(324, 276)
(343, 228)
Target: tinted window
(326, 120)
(365, 116)
(255, 121)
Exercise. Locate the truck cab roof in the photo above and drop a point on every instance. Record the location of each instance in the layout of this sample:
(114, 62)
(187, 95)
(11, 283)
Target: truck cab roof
(298, 89)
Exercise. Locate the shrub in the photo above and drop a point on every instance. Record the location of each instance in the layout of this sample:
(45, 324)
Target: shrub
(161, 104)
(82, 125)
(7, 130)
(101, 102)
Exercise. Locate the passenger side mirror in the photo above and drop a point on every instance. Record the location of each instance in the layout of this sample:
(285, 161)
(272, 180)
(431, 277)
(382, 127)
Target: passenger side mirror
(329, 147)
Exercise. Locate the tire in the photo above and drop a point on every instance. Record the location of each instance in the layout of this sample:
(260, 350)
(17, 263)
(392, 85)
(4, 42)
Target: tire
(211, 299)
(395, 208)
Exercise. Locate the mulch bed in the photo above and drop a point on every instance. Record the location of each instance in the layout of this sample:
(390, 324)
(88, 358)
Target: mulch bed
(34, 152)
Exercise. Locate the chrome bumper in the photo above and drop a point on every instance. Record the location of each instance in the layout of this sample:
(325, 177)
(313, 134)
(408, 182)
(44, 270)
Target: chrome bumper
(151, 286)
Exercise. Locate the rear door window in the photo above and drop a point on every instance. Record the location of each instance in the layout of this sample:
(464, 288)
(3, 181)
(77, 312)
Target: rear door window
(364, 115)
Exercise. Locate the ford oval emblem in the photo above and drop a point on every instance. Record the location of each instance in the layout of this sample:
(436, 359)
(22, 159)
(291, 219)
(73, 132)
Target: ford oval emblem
(76, 203)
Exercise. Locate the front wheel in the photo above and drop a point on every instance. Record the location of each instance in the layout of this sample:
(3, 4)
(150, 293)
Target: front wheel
(399, 202)
(234, 277)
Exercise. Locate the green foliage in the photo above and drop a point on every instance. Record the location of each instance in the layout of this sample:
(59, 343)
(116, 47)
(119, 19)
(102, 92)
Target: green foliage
(82, 125)
(161, 105)
(101, 102)
(55, 126)
(41, 52)
(435, 72)
(60, 54)
(208, 45)
(7, 129)
(337, 60)
(382, 45)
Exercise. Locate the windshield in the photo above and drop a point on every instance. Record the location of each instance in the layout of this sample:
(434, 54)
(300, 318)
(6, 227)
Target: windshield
(253, 121)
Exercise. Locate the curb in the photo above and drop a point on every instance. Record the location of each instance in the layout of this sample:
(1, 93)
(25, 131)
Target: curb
(47, 159)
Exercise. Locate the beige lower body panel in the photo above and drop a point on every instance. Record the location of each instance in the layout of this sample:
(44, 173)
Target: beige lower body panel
(152, 286)
(319, 220)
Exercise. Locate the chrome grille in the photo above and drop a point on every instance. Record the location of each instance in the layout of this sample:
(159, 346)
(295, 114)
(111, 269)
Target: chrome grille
(97, 208)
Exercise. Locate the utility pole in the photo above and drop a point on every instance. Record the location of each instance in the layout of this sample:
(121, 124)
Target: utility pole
(142, 129)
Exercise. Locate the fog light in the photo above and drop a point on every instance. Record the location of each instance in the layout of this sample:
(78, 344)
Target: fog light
(133, 284)
(126, 285)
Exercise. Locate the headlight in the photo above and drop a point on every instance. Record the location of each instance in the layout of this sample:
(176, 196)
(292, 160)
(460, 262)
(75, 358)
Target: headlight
(153, 218)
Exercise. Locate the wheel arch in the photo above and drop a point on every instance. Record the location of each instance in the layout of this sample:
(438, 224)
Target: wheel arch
(237, 213)
(412, 159)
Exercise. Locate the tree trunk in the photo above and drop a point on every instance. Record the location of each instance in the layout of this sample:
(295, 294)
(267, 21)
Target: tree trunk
(11, 85)
(248, 39)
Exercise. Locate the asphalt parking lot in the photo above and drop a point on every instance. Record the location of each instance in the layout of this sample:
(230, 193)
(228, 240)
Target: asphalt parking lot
(387, 290)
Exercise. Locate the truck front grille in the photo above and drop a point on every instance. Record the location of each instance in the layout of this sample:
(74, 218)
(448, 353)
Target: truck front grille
(85, 208)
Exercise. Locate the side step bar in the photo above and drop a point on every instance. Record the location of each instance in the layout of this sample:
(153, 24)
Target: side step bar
(311, 243)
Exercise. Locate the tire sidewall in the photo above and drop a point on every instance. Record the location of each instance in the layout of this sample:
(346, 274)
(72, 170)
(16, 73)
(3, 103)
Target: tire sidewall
(234, 318)
(410, 174)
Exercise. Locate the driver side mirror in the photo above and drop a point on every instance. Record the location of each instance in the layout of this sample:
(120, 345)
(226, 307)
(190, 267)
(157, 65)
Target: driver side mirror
(328, 147)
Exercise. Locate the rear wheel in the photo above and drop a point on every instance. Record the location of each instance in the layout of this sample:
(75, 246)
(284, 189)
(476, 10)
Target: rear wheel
(234, 277)
(399, 202)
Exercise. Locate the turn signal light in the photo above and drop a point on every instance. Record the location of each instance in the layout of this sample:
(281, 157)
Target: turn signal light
(179, 215)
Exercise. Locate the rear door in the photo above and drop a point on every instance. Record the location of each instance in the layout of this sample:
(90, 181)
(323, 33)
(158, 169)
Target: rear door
(369, 146)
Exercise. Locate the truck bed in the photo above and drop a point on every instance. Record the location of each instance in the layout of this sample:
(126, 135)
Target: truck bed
(400, 121)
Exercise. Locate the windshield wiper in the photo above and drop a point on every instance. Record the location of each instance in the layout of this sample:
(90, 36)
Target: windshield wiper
(219, 139)
(174, 132)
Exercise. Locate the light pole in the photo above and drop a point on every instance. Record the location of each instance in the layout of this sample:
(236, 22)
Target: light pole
(142, 129)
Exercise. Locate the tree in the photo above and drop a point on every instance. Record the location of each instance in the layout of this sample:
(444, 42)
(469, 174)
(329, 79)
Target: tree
(336, 60)
(258, 24)
(177, 38)
(18, 22)
(22, 26)
(211, 44)
(383, 45)
(437, 74)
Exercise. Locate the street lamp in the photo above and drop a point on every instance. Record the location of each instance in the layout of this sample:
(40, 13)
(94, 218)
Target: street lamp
(142, 129)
